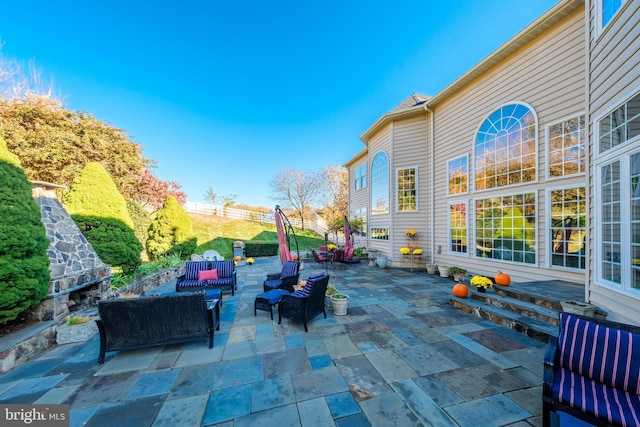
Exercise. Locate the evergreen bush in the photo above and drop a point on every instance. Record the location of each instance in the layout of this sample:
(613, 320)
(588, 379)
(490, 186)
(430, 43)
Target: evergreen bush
(24, 263)
(100, 211)
(171, 232)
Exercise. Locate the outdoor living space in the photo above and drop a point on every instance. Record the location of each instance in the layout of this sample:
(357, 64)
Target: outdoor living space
(402, 356)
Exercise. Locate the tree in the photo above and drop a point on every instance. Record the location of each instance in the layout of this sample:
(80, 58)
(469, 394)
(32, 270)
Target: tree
(335, 196)
(141, 220)
(171, 232)
(54, 145)
(210, 195)
(101, 213)
(24, 262)
(297, 189)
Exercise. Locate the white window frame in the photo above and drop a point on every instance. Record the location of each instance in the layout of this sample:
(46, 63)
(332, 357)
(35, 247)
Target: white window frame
(599, 9)
(549, 225)
(372, 187)
(473, 169)
(622, 153)
(536, 239)
(450, 250)
(548, 147)
(467, 156)
(360, 177)
(415, 188)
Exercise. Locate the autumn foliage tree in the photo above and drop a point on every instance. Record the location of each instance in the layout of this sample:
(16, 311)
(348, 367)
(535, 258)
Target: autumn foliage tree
(55, 144)
(171, 232)
(24, 263)
(297, 189)
(100, 211)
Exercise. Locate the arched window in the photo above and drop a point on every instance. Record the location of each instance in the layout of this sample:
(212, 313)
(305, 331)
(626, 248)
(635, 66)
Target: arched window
(380, 184)
(505, 148)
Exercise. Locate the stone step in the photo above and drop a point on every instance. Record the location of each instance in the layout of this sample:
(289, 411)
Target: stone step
(523, 307)
(530, 297)
(520, 323)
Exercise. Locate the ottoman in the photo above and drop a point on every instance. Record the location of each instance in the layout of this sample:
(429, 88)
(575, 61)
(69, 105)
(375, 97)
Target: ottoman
(266, 300)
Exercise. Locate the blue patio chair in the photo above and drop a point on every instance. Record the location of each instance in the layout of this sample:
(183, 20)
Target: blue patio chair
(285, 279)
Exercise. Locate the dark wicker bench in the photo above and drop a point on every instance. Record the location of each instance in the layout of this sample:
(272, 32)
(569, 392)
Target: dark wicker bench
(592, 372)
(126, 324)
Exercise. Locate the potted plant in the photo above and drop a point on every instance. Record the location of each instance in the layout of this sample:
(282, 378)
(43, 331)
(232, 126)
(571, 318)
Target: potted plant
(457, 272)
(340, 303)
(331, 290)
(76, 329)
(444, 270)
(432, 268)
(481, 283)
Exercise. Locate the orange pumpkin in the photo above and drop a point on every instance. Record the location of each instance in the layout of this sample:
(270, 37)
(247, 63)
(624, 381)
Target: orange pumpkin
(502, 279)
(237, 258)
(460, 290)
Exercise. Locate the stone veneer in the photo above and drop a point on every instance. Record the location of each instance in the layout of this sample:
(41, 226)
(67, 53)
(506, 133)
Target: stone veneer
(77, 273)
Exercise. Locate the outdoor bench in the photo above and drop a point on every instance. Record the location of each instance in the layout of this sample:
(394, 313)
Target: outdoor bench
(202, 275)
(130, 323)
(592, 372)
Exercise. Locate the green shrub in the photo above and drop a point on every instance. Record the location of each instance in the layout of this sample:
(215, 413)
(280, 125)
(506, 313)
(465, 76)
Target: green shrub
(101, 213)
(141, 220)
(171, 232)
(24, 263)
(114, 242)
(257, 249)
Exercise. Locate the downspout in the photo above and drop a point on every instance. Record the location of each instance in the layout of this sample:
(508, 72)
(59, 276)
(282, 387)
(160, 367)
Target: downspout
(432, 185)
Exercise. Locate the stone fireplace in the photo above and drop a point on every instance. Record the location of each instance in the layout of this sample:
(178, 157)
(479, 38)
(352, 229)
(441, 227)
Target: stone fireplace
(79, 279)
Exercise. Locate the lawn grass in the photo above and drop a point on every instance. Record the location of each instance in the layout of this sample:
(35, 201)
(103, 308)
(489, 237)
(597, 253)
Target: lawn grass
(219, 233)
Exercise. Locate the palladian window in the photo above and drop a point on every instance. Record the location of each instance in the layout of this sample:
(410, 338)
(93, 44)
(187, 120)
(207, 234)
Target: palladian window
(380, 184)
(505, 148)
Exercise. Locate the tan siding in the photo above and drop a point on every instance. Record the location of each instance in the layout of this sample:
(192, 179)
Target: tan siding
(548, 75)
(614, 75)
(409, 150)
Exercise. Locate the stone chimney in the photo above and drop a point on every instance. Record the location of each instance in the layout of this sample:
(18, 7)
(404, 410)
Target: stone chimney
(78, 277)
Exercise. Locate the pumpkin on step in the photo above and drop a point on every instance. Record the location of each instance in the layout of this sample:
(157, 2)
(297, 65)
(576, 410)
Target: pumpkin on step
(502, 279)
(459, 290)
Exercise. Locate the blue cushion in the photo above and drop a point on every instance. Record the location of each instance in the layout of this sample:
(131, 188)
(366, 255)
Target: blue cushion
(289, 268)
(212, 294)
(272, 283)
(274, 296)
(599, 400)
(193, 267)
(607, 355)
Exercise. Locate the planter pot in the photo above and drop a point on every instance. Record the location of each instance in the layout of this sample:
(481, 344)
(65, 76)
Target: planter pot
(481, 289)
(444, 270)
(576, 307)
(340, 305)
(458, 276)
(76, 333)
(432, 268)
(382, 262)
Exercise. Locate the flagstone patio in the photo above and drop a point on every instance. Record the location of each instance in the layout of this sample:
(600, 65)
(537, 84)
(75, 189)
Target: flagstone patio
(401, 357)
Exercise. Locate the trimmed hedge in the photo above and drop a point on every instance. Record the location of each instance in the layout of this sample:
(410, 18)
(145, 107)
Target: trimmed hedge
(257, 249)
(171, 232)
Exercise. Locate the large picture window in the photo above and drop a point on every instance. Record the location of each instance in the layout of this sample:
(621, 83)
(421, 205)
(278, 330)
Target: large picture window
(380, 184)
(611, 222)
(620, 125)
(458, 175)
(506, 228)
(566, 147)
(360, 215)
(568, 216)
(458, 229)
(407, 195)
(505, 148)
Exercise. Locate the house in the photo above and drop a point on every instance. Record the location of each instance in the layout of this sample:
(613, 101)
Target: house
(501, 170)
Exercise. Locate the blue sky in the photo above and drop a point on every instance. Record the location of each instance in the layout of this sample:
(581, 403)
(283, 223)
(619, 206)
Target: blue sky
(226, 94)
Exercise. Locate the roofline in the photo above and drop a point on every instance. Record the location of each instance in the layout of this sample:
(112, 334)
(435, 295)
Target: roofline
(388, 117)
(352, 160)
(557, 13)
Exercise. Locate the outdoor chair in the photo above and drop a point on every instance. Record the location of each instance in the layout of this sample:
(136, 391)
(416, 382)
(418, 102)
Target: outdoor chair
(305, 304)
(320, 258)
(285, 279)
